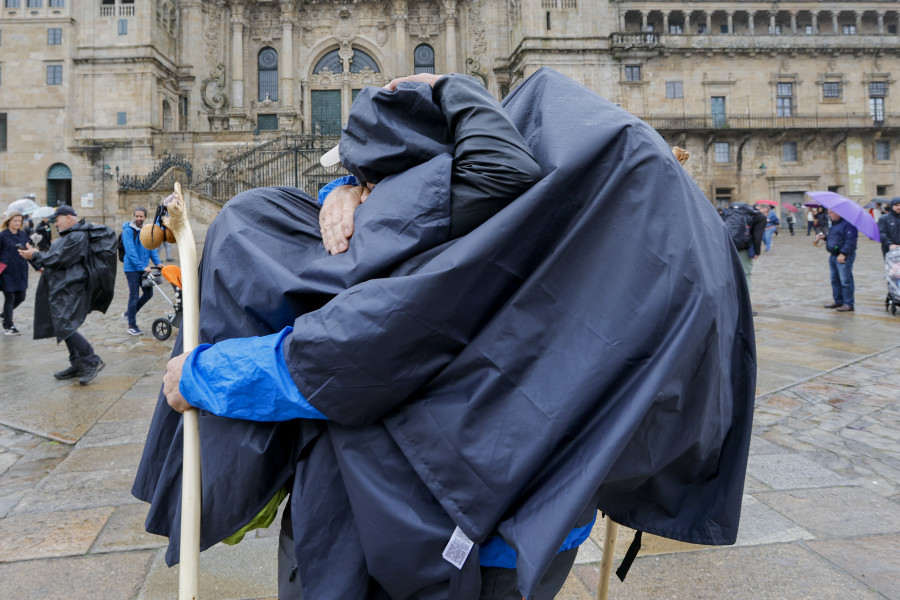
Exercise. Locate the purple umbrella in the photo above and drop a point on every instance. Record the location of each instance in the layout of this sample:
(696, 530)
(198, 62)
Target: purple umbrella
(849, 210)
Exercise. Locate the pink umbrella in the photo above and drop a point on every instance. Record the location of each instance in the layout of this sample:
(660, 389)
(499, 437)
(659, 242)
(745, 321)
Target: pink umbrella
(769, 202)
(849, 210)
(790, 207)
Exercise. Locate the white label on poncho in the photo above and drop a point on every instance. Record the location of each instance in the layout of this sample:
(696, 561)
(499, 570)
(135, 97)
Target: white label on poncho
(458, 548)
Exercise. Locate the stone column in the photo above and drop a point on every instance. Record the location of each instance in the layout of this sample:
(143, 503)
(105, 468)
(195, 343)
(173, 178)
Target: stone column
(815, 23)
(665, 22)
(834, 22)
(450, 29)
(771, 23)
(751, 21)
(794, 22)
(345, 53)
(881, 22)
(859, 16)
(287, 58)
(687, 22)
(708, 23)
(237, 56)
(730, 16)
(401, 67)
(643, 20)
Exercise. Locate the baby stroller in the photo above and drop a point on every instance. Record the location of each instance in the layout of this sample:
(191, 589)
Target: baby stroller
(892, 274)
(162, 327)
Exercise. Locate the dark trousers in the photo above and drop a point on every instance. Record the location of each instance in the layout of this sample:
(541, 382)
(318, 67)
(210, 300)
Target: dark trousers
(496, 583)
(137, 296)
(791, 227)
(10, 301)
(81, 353)
(809, 227)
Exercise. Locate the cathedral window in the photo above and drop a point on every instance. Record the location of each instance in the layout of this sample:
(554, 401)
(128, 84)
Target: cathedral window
(2, 132)
(34, 3)
(674, 89)
(12, 4)
(722, 152)
(267, 122)
(268, 75)
(632, 73)
(789, 152)
(784, 102)
(168, 120)
(424, 59)
(54, 74)
(831, 89)
(882, 151)
(54, 36)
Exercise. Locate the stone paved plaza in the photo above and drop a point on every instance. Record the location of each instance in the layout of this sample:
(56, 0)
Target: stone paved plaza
(821, 516)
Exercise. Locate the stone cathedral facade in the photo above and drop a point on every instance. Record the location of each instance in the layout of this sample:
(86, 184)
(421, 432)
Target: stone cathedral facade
(771, 99)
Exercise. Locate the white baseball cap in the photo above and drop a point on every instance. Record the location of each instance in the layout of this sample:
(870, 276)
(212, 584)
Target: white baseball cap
(332, 157)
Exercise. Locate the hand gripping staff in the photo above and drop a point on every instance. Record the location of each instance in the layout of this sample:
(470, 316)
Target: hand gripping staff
(177, 222)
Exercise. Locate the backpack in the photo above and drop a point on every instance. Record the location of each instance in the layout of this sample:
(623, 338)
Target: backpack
(100, 263)
(120, 244)
(738, 222)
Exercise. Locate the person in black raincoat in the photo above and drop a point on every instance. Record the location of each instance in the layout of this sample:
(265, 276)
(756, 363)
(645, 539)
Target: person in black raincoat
(14, 278)
(572, 352)
(63, 294)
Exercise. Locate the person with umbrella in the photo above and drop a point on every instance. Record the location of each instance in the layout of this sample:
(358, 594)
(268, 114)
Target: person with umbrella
(847, 219)
(14, 277)
(889, 227)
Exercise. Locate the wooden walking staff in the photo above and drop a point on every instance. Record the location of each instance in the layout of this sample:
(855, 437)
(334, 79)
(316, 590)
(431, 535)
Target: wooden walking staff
(177, 222)
(609, 546)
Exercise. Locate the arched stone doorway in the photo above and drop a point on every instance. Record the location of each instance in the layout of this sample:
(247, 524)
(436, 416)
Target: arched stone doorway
(336, 79)
(59, 185)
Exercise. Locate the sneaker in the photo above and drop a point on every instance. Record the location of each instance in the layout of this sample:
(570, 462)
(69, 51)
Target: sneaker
(125, 315)
(12, 331)
(135, 331)
(70, 373)
(90, 372)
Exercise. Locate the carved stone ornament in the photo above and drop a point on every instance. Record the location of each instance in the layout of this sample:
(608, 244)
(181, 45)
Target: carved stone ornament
(478, 29)
(212, 90)
(474, 68)
(344, 27)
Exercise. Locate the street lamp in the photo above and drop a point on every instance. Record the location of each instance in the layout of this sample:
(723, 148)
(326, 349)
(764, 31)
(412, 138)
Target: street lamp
(761, 171)
(107, 172)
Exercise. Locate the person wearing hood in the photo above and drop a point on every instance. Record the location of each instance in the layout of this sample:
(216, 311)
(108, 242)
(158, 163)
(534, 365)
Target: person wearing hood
(889, 227)
(14, 278)
(138, 261)
(63, 294)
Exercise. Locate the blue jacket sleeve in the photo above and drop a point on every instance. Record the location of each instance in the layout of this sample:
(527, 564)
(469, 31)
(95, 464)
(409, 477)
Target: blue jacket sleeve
(245, 378)
(326, 189)
(848, 245)
(154, 256)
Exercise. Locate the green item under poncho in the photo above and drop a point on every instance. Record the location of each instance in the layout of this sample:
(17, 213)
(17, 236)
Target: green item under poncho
(262, 520)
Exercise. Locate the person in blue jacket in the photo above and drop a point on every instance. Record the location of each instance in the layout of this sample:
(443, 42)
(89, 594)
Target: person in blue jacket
(138, 260)
(841, 245)
(14, 279)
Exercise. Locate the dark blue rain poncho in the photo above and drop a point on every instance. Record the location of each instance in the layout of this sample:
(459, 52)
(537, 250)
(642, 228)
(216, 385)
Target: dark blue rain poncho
(589, 345)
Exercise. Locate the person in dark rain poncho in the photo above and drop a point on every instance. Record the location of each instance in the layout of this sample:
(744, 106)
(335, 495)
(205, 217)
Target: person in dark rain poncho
(501, 350)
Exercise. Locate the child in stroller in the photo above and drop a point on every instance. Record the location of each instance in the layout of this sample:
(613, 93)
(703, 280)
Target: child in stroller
(892, 274)
(162, 326)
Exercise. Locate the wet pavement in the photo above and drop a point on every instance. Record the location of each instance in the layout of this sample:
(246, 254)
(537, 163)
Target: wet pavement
(821, 515)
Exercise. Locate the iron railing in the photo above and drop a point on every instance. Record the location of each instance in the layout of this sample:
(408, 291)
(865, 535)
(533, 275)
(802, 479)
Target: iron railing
(154, 180)
(769, 121)
(284, 161)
